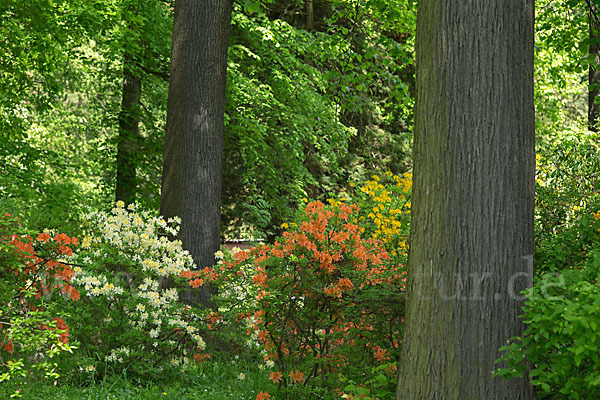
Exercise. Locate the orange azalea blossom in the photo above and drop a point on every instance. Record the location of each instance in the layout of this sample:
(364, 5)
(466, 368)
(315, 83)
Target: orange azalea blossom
(199, 357)
(43, 237)
(263, 396)
(61, 326)
(196, 282)
(241, 256)
(8, 346)
(62, 238)
(345, 284)
(188, 274)
(380, 355)
(65, 250)
(260, 278)
(296, 376)
(71, 291)
(275, 376)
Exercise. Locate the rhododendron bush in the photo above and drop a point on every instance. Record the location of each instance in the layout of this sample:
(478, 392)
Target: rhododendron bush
(129, 315)
(384, 208)
(31, 334)
(321, 301)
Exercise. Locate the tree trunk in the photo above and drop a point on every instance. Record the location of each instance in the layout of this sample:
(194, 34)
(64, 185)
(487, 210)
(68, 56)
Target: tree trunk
(310, 16)
(191, 186)
(127, 145)
(594, 63)
(472, 227)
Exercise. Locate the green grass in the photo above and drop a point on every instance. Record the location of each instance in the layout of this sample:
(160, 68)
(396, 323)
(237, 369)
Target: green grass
(211, 380)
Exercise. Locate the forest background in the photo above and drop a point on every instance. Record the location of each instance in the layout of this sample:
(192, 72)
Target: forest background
(319, 100)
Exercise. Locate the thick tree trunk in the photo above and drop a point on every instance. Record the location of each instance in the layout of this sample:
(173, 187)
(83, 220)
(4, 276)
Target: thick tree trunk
(191, 186)
(127, 145)
(593, 68)
(472, 227)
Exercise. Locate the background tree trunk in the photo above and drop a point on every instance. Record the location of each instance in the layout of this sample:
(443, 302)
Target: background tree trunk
(594, 62)
(191, 186)
(472, 227)
(310, 16)
(127, 144)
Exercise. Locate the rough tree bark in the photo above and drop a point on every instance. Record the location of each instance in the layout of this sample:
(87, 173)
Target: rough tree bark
(472, 227)
(127, 145)
(191, 186)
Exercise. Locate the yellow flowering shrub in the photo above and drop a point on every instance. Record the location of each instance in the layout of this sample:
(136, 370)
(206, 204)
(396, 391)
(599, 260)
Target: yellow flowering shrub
(384, 202)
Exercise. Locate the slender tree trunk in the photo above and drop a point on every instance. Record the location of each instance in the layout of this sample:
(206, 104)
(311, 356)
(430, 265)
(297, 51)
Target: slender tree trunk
(472, 227)
(127, 145)
(593, 68)
(310, 16)
(191, 186)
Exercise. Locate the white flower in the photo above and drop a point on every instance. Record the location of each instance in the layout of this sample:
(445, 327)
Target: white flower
(241, 376)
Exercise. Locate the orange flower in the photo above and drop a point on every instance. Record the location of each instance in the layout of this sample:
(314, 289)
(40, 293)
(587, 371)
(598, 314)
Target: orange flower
(380, 354)
(263, 396)
(275, 376)
(62, 326)
(62, 238)
(260, 279)
(196, 282)
(8, 346)
(43, 237)
(297, 376)
(201, 357)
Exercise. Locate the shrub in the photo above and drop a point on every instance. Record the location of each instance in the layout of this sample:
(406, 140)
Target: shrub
(562, 340)
(384, 211)
(31, 334)
(567, 187)
(130, 316)
(321, 300)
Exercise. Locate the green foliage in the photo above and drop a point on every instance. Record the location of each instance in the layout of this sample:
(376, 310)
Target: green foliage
(562, 338)
(280, 129)
(561, 64)
(567, 189)
(62, 69)
(382, 385)
(328, 100)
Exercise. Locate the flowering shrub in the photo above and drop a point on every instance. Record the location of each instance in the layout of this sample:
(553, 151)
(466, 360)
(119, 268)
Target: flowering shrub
(132, 317)
(30, 333)
(384, 211)
(320, 299)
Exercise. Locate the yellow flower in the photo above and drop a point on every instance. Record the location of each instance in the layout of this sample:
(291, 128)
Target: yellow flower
(284, 225)
(596, 215)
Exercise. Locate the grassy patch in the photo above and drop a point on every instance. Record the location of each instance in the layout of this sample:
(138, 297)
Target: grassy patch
(213, 380)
